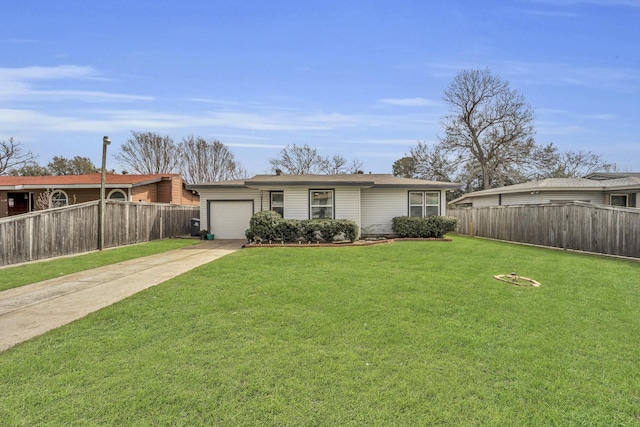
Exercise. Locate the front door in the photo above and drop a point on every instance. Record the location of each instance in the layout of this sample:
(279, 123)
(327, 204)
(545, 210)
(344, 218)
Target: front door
(19, 203)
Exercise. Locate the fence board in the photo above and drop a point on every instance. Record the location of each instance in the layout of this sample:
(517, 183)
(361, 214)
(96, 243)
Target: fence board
(578, 225)
(74, 229)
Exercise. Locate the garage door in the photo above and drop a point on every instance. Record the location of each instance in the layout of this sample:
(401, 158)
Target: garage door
(229, 219)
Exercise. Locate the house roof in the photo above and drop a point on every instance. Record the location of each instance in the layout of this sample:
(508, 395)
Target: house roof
(612, 175)
(559, 184)
(92, 180)
(356, 180)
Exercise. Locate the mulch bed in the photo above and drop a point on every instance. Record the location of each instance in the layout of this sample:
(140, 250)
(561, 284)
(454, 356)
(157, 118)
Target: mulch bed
(337, 244)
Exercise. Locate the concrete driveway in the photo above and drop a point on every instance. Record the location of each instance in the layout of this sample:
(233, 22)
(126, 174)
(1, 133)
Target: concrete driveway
(31, 310)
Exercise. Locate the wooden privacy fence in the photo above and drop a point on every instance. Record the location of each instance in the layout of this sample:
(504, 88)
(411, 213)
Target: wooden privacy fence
(74, 229)
(577, 225)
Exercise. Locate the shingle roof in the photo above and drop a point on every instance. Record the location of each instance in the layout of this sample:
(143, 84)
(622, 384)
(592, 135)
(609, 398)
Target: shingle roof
(357, 180)
(612, 175)
(88, 180)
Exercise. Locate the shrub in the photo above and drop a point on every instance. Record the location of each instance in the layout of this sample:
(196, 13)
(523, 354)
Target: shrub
(328, 229)
(269, 225)
(308, 230)
(264, 224)
(432, 226)
(288, 230)
(349, 229)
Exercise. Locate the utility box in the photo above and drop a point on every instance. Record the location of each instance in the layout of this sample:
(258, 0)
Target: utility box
(195, 226)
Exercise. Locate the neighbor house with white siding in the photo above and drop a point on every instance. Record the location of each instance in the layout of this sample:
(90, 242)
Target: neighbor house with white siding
(371, 200)
(616, 189)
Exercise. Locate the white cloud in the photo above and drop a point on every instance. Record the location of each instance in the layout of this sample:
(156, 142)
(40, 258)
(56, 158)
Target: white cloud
(551, 73)
(21, 84)
(390, 141)
(247, 145)
(87, 120)
(409, 102)
(555, 14)
(556, 129)
(47, 73)
(603, 116)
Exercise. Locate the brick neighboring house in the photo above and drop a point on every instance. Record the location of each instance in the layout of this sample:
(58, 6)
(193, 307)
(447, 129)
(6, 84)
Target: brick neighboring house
(20, 194)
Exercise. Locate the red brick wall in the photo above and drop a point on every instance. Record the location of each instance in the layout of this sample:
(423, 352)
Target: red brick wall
(164, 191)
(145, 193)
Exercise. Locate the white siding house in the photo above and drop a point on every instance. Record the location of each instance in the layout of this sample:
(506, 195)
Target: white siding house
(296, 203)
(348, 203)
(370, 200)
(379, 207)
(621, 191)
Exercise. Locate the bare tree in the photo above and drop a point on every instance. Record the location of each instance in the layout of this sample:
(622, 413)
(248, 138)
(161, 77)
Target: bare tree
(12, 156)
(303, 159)
(433, 164)
(488, 122)
(204, 161)
(545, 162)
(297, 160)
(574, 164)
(149, 153)
(337, 164)
(43, 201)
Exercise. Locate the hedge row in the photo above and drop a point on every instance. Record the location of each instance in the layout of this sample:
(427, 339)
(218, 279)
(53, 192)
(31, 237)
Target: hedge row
(269, 225)
(431, 226)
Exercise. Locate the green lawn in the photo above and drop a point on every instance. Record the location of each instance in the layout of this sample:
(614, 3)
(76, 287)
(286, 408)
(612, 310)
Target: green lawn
(409, 333)
(19, 275)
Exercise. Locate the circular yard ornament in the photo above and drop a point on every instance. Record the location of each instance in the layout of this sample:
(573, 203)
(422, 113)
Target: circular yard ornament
(514, 279)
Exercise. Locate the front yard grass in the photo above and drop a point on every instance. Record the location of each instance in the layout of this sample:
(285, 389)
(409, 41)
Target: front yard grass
(409, 333)
(24, 274)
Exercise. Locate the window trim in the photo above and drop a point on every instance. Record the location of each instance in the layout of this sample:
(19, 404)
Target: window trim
(424, 203)
(66, 198)
(117, 190)
(626, 200)
(271, 206)
(333, 202)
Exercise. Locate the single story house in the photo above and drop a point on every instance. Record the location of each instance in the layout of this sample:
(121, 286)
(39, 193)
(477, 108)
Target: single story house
(616, 189)
(22, 194)
(371, 200)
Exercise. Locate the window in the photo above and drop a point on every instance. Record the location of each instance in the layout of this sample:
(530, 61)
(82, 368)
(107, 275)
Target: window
(321, 204)
(416, 203)
(618, 200)
(117, 195)
(58, 199)
(424, 203)
(277, 202)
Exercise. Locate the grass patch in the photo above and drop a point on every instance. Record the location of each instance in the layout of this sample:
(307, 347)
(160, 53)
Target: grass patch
(410, 333)
(24, 274)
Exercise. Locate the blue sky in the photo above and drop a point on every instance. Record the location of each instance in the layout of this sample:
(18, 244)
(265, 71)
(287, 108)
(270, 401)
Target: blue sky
(363, 79)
